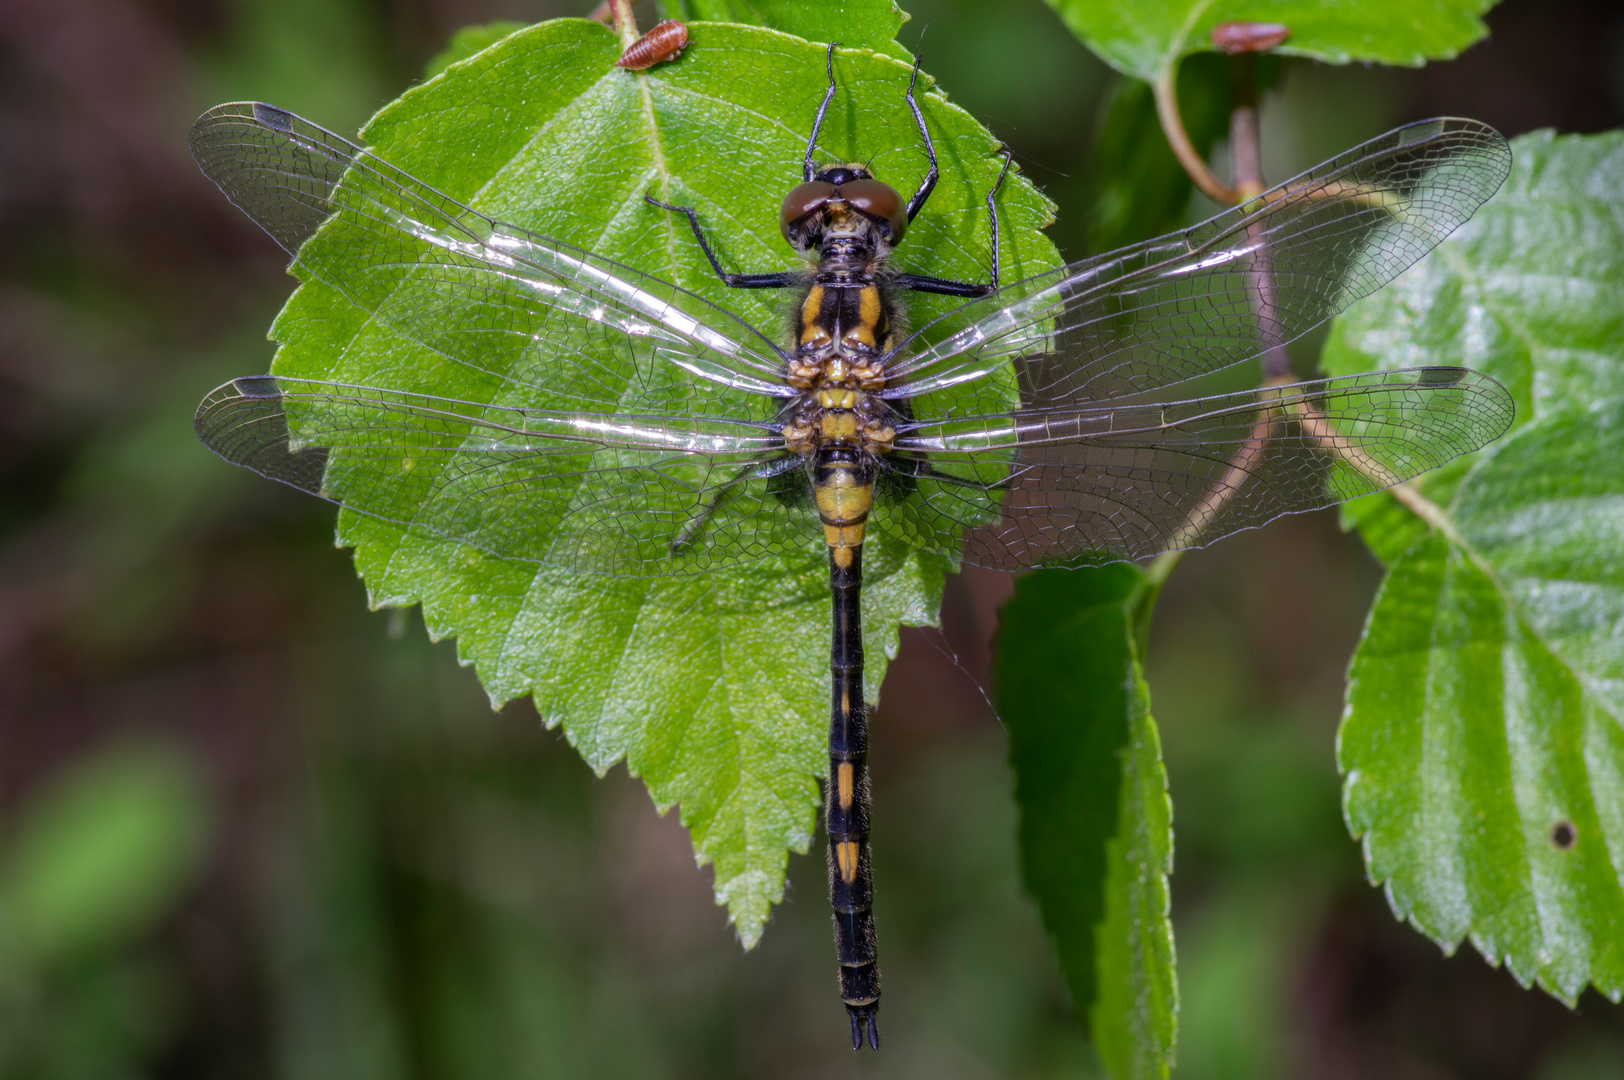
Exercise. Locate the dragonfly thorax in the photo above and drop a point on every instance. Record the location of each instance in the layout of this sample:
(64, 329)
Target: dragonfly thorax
(842, 329)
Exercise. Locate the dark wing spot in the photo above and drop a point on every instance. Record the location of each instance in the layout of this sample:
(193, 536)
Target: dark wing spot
(272, 117)
(258, 386)
(1441, 376)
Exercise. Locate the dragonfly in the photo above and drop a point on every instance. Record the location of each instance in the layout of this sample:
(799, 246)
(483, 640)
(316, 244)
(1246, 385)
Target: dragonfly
(607, 421)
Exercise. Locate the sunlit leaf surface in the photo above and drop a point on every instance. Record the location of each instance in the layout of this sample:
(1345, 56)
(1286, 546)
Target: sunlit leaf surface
(1145, 39)
(865, 24)
(1484, 735)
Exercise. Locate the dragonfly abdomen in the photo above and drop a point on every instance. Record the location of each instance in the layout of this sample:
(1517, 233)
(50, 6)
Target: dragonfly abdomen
(846, 800)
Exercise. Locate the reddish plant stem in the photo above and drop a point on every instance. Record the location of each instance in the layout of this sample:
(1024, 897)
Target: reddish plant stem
(625, 22)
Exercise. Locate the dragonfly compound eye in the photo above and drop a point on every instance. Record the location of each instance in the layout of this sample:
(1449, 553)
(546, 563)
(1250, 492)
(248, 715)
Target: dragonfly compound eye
(878, 201)
(805, 199)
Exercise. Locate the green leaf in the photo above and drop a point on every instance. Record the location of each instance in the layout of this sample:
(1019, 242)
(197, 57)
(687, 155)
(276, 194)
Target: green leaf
(1484, 736)
(713, 689)
(1145, 38)
(1096, 823)
(100, 853)
(1140, 190)
(865, 24)
(470, 40)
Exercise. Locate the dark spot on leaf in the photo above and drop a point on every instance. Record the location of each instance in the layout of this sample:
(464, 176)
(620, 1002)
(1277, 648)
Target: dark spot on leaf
(1563, 834)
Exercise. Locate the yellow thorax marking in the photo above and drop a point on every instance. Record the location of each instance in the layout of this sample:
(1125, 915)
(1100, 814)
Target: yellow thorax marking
(811, 309)
(868, 306)
(868, 316)
(837, 399)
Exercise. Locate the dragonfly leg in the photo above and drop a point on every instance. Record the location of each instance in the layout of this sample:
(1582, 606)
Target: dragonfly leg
(733, 281)
(947, 286)
(917, 203)
(810, 165)
(721, 494)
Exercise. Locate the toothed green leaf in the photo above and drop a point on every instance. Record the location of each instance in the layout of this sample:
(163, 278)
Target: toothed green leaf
(1484, 736)
(713, 689)
(1096, 824)
(1145, 39)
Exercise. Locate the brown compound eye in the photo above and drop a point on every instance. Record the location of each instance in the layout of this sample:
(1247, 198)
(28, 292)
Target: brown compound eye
(877, 200)
(803, 200)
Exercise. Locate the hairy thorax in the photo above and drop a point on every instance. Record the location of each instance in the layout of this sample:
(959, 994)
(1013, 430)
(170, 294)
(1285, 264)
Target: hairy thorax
(841, 331)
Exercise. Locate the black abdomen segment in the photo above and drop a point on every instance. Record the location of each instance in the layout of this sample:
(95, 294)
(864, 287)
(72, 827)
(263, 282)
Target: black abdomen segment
(846, 803)
(843, 488)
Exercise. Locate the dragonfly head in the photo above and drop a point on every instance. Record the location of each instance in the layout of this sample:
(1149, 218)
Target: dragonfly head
(844, 201)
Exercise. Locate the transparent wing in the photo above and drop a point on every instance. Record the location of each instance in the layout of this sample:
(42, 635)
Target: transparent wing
(1130, 479)
(614, 493)
(1228, 290)
(527, 312)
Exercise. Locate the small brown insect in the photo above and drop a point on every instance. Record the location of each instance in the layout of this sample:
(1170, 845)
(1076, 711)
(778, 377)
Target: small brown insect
(1240, 37)
(665, 42)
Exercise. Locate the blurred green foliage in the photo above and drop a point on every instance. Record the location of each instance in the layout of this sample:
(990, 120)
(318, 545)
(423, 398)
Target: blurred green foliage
(1096, 834)
(1147, 38)
(96, 859)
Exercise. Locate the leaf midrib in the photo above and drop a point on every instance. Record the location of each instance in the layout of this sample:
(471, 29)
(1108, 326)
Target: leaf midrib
(1442, 521)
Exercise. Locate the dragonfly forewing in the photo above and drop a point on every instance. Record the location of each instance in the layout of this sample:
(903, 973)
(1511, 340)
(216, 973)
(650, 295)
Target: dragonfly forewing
(616, 493)
(1181, 307)
(531, 314)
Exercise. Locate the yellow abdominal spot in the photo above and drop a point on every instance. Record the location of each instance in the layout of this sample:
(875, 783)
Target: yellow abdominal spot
(843, 536)
(839, 426)
(846, 860)
(842, 501)
(837, 399)
(845, 784)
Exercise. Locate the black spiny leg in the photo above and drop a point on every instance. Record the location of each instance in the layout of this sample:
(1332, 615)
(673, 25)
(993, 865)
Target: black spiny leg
(946, 286)
(732, 281)
(810, 166)
(916, 203)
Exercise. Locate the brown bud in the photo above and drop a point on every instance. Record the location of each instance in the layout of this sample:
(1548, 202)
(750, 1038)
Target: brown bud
(1243, 37)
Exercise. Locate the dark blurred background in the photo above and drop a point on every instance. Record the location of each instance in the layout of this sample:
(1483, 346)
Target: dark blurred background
(249, 829)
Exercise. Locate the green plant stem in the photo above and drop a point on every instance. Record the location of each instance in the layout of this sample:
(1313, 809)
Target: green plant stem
(1165, 91)
(625, 22)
